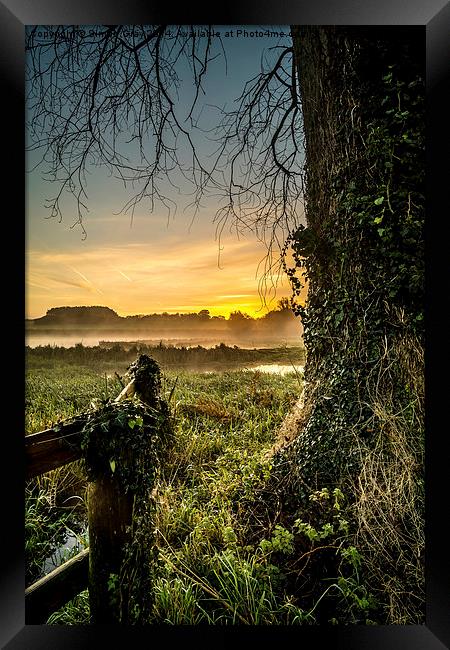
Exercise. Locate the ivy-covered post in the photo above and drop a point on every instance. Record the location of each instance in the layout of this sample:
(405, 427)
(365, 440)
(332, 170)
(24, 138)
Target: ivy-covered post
(122, 444)
(110, 514)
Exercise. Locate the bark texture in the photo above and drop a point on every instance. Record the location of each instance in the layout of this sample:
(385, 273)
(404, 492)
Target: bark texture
(109, 515)
(362, 94)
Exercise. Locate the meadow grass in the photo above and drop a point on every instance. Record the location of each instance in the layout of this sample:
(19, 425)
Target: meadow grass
(223, 425)
(114, 354)
(224, 556)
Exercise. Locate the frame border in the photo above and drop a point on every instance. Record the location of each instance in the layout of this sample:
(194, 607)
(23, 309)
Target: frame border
(435, 19)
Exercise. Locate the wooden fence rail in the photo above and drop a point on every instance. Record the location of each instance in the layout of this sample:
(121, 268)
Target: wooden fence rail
(109, 516)
(53, 447)
(54, 590)
(44, 451)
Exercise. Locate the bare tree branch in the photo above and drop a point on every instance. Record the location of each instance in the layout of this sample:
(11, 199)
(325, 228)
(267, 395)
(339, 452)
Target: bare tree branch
(109, 97)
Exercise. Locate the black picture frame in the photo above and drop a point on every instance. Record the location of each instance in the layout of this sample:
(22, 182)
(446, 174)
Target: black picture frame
(434, 17)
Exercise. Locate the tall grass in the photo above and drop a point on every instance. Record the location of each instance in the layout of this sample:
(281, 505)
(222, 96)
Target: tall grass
(390, 489)
(223, 556)
(224, 423)
(168, 356)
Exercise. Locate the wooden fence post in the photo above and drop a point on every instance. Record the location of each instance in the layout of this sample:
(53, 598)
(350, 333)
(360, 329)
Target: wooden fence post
(110, 513)
(120, 444)
(121, 453)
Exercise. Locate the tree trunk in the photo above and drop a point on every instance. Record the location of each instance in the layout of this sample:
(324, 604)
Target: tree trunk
(362, 93)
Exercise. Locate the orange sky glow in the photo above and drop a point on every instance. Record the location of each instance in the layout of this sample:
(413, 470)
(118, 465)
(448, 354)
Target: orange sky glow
(157, 262)
(127, 269)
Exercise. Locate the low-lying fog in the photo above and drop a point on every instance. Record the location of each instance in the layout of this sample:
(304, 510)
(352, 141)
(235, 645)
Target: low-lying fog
(67, 326)
(188, 339)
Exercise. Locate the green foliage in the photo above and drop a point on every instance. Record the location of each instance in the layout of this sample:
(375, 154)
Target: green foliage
(208, 565)
(57, 392)
(177, 602)
(114, 589)
(282, 541)
(356, 602)
(112, 356)
(138, 421)
(328, 514)
(222, 424)
(75, 612)
(45, 530)
(207, 572)
(123, 440)
(330, 541)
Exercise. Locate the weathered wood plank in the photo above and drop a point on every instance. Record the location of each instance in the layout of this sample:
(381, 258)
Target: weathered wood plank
(53, 447)
(52, 591)
(110, 513)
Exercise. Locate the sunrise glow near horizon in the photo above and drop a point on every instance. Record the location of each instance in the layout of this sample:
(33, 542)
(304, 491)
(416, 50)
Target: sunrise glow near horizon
(146, 267)
(152, 263)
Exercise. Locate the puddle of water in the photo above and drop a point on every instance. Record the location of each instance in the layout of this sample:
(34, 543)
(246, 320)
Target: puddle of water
(75, 543)
(272, 368)
(279, 369)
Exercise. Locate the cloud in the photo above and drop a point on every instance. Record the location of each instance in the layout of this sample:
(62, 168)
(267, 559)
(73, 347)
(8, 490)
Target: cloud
(236, 295)
(142, 277)
(71, 283)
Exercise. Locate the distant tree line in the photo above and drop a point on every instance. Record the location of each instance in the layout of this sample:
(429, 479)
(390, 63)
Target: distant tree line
(167, 355)
(281, 319)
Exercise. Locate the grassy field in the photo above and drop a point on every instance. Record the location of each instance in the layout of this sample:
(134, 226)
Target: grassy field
(224, 556)
(224, 424)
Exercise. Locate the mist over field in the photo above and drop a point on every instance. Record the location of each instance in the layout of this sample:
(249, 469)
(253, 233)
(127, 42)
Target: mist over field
(67, 326)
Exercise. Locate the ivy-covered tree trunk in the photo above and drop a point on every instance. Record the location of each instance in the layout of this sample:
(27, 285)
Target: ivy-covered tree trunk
(362, 93)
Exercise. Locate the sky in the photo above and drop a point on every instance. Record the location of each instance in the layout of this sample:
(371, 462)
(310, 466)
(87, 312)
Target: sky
(151, 263)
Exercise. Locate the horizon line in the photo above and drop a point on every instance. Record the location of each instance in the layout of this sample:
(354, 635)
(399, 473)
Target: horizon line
(170, 312)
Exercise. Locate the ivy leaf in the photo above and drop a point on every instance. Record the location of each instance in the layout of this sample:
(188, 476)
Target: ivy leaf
(304, 241)
(112, 464)
(121, 418)
(378, 219)
(379, 200)
(131, 423)
(338, 317)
